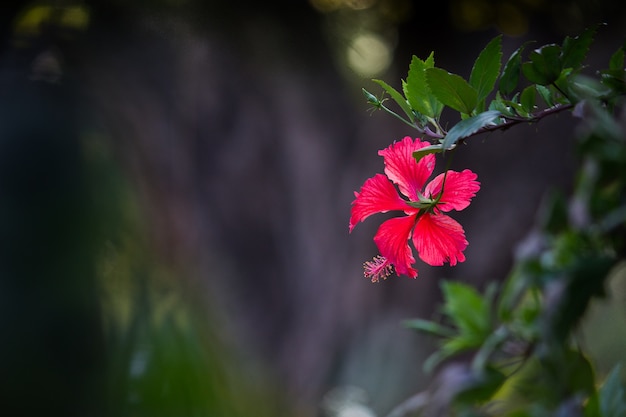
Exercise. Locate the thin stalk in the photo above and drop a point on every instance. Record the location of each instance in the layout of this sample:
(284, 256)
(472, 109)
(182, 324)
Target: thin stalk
(397, 116)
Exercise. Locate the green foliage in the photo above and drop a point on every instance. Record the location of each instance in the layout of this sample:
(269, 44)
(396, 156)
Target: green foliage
(417, 90)
(511, 72)
(468, 126)
(527, 100)
(487, 68)
(427, 150)
(575, 50)
(544, 66)
(522, 338)
(397, 97)
(469, 313)
(452, 90)
(552, 70)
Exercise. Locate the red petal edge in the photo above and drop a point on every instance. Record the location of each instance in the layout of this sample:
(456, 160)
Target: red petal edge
(392, 240)
(401, 168)
(378, 195)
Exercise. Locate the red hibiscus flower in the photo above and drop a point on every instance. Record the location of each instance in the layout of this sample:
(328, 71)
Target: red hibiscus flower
(436, 237)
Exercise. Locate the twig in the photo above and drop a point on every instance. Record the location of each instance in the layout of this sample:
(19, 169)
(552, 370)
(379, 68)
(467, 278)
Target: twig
(511, 122)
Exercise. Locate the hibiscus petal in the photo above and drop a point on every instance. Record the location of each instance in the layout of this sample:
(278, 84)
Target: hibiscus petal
(439, 238)
(392, 240)
(378, 195)
(459, 189)
(401, 168)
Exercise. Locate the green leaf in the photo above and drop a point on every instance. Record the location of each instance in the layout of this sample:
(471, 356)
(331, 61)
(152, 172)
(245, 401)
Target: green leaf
(574, 50)
(398, 98)
(616, 62)
(429, 327)
(469, 126)
(452, 90)
(611, 395)
(420, 153)
(588, 88)
(546, 95)
(577, 372)
(592, 406)
(416, 89)
(499, 105)
(615, 80)
(544, 66)
(511, 72)
(527, 99)
(615, 76)
(467, 310)
(486, 68)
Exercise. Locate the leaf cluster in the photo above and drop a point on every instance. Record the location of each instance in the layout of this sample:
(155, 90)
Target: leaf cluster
(495, 96)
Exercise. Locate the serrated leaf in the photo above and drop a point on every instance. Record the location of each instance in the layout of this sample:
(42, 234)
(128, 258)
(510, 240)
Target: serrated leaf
(486, 68)
(398, 98)
(417, 91)
(545, 94)
(574, 50)
(511, 72)
(452, 90)
(544, 66)
(466, 127)
(426, 150)
(527, 99)
(499, 105)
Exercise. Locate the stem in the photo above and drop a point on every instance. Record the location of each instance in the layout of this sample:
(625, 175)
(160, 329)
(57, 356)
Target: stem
(396, 115)
(511, 122)
(561, 91)
(445, 175)
(438, 127)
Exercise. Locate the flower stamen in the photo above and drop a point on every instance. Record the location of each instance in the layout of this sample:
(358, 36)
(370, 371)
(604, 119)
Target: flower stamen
(379, 267)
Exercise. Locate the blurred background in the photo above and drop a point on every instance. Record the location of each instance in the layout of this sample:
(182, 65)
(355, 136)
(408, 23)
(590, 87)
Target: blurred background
(175, 187)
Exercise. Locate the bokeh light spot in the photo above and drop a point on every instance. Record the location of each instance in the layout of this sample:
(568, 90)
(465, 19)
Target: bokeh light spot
(369, 55)
(359, 4)
(326, 6)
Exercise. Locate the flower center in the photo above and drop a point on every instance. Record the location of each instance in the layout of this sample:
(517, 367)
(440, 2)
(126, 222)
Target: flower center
(379, 267)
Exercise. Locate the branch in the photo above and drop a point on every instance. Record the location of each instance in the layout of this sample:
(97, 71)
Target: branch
(514, 121)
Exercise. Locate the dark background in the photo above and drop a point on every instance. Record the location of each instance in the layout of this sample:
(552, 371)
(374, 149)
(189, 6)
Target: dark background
(213, 148)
